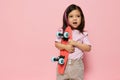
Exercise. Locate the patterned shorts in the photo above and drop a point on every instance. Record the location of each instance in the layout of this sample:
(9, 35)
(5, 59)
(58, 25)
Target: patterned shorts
(74, 71)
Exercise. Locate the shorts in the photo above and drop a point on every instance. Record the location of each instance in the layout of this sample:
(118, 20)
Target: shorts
(74, 71)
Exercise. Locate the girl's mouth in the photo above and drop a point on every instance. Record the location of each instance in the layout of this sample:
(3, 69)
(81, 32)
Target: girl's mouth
(74, 22)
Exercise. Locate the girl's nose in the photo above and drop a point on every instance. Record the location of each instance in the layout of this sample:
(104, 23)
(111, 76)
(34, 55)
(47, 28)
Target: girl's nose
(75, 18)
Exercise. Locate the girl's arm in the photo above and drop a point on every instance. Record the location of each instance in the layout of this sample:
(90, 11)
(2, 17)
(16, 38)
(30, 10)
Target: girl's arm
(82, 46)
(67, 47)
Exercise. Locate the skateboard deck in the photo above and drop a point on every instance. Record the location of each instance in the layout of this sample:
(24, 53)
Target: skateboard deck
(61, 68)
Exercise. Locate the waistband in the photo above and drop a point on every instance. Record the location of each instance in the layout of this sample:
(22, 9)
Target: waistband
(71, 61)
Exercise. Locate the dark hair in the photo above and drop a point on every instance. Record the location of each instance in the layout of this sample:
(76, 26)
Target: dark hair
(65, 17)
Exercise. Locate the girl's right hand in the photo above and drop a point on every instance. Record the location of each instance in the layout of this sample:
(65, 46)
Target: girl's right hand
(69, 48)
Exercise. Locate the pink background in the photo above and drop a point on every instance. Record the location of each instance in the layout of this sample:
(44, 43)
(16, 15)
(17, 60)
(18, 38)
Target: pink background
(27, 34)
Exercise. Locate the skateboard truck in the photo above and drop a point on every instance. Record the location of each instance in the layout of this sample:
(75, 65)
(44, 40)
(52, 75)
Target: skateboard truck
(62, 35)
(60, 59)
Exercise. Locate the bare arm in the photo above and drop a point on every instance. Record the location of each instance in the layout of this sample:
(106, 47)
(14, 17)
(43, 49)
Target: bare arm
(67, 47)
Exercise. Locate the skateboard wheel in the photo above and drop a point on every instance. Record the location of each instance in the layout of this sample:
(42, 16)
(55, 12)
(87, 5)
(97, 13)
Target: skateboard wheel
(66, 35)
(61, 61)
(53, 59)
(59, 34)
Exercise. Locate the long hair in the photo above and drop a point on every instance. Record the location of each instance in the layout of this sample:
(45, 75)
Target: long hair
(65, 17)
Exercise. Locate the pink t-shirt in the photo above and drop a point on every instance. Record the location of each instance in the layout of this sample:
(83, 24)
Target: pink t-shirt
(77, 36)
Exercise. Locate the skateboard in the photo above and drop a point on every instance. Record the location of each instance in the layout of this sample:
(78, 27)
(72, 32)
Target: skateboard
(62, 59)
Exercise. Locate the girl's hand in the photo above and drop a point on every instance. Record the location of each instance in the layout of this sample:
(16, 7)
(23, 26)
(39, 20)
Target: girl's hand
(81, 46)
(72, 42)
(69, 48)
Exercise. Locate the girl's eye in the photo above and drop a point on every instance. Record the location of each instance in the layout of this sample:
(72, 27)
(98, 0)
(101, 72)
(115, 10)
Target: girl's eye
(78, 16)
(70, 16)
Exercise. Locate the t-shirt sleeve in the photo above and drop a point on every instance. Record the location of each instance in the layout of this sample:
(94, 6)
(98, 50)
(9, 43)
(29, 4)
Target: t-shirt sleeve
(58, 39)
(86, 39)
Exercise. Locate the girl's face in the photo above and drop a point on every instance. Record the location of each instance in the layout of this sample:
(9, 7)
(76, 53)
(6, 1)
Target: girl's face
(74, 18)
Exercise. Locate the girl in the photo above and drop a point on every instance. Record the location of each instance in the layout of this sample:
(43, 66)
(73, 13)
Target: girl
(74, 17)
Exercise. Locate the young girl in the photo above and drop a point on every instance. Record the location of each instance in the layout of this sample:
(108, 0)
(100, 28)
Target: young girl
(74, 17)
